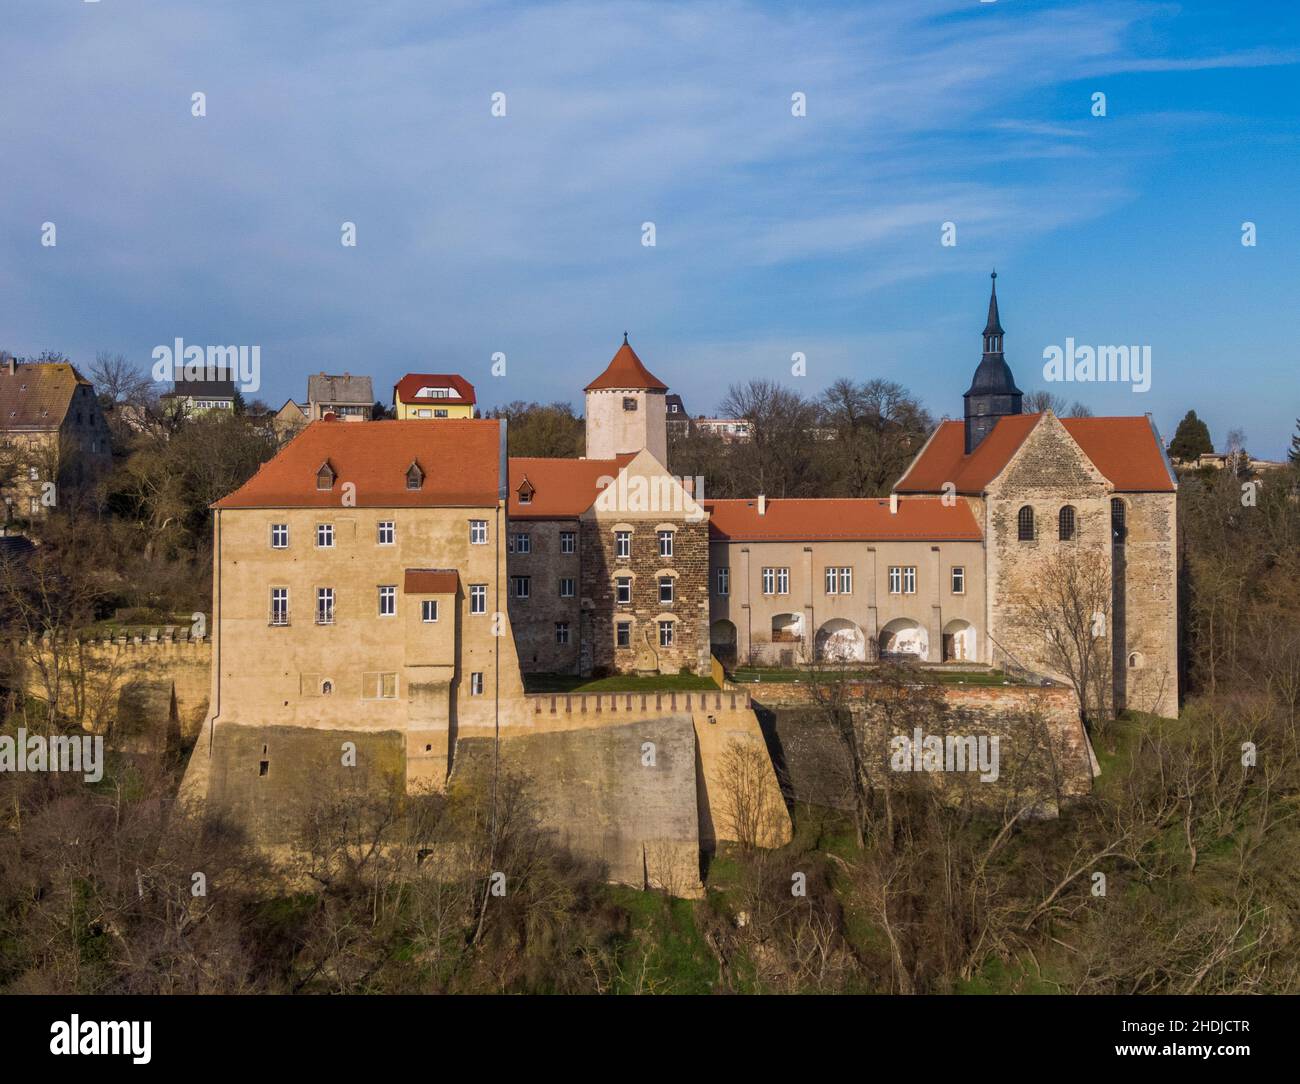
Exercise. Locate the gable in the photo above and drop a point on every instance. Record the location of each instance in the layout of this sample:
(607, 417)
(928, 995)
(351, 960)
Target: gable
(643, 489)
(1048, 460)
(1126, 452)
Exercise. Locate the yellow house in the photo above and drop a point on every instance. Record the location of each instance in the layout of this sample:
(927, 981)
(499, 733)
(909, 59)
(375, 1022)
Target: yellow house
(360, 585)
(433, 395)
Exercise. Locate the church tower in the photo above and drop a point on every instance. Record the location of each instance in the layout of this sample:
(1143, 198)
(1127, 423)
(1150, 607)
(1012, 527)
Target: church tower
(993, 393)
(626, 409)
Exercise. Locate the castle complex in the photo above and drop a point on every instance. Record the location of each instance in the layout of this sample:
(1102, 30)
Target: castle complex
(394, 581)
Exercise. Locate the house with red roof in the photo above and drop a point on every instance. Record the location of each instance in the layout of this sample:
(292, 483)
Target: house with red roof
(433, 395)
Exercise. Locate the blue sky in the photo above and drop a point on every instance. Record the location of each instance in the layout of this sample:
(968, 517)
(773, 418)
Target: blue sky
(775, 234)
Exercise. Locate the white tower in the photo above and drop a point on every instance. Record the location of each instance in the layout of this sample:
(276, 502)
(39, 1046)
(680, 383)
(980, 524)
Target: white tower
(625, 410)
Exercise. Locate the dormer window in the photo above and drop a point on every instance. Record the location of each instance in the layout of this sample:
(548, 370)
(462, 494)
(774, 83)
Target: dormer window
(325, 476)
(414, 476)
(526, 492)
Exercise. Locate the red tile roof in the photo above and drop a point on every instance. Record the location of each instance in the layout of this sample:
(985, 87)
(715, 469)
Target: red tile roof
(458, 456)
(1125, 450)
(431, 581)
(407, 388)
(626, 371)
(841, 519)
(562, 488)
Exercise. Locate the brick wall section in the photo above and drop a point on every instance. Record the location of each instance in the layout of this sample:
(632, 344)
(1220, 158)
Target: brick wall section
(689, 609)
(534, 619)
(1151, 603)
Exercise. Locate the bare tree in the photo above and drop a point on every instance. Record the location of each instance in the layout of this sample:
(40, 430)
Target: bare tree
(1068, 609)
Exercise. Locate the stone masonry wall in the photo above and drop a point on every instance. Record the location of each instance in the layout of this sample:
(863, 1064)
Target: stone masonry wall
(689, 610)
(814, 768)
(534, 619)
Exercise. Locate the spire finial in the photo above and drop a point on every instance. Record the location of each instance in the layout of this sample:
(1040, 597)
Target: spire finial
(993, 329)
(625, 338)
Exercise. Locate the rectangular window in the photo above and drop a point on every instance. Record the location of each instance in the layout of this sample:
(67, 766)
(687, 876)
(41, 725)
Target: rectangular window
(895, 580)
(832, 581)
(429, 609)
(724, 580)
(567, 587)
(958, 580)
(387, 601)
(380, 685)
(561, 632)
(387, 533)
(846, 580)
(324, 605)
(622, 543)
(476, 683)
(623, 589)
(478, 532)
(325, 535)
(776, 581)
(568, 540)
(279, 536)
(665, 543)
(665, 634)
(623, 634)
(665, 590)
(478, 598)
(909, 580)
(520, 543)
(279, 605)
(519, 586)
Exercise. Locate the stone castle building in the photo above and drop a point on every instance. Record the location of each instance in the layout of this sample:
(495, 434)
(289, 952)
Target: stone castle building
(1053, 494)
(390, 584)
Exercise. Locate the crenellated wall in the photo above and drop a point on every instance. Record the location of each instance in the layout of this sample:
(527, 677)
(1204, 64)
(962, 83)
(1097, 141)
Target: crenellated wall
(130, 677)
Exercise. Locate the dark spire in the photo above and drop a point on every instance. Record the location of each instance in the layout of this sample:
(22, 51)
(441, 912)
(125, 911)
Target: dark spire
(993, 393)
(994, 326)
(625, 338)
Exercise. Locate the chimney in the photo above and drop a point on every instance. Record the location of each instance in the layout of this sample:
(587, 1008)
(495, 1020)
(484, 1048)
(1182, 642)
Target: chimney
(893, 504)
(12, 365)
(762, 504)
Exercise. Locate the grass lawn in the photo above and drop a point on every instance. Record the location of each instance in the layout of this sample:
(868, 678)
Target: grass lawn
(619, 683)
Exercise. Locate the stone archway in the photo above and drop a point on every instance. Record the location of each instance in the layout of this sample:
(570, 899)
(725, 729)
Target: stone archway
(959, 641)
(840, 640)
(904, 637)
(722, 640)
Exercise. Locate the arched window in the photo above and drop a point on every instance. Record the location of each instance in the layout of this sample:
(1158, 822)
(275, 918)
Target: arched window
(1118, 531)
(1026, 524)
(1065, 524)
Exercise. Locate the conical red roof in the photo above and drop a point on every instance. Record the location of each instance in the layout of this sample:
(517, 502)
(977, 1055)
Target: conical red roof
(626, 371)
